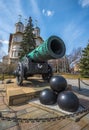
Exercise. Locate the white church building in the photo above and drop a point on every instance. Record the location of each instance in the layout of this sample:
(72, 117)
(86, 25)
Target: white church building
(14, 48)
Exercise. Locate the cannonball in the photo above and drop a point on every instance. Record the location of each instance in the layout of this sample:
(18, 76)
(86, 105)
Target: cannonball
(68, 101)
(58, 83)
(47, 97)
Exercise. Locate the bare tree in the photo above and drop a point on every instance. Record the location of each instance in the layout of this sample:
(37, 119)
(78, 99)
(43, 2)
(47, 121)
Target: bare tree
(75, 54)
(0, 49)
(2, 53)
(0, 45)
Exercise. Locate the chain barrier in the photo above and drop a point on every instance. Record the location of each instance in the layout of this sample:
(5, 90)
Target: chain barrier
(33, 120)
(84, 82)
(47, 119)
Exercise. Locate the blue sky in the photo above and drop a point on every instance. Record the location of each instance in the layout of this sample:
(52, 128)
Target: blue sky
(68, 19)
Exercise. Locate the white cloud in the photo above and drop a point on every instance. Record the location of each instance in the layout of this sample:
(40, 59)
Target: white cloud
(10, 11)
(74, 30)
(71, 34)
(43, 11)
(48, 12)
(35, 11)
(8, 16)
(37, 14)
(4, 41)
(84, 3)
(35, 7)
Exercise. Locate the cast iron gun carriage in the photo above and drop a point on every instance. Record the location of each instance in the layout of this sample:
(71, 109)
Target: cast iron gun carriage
(35, 62)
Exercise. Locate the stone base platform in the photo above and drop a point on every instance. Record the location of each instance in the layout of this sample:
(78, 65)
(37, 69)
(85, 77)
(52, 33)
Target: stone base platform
(18, 95)
(21, 94)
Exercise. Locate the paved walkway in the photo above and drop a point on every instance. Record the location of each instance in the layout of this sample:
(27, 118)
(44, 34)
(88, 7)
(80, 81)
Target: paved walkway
(25, 110)
(83, 89)
(75, 82)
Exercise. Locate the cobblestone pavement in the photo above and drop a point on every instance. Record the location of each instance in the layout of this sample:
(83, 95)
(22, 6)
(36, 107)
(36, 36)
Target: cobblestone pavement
(23, 109)
(84, 86)
(74, 82)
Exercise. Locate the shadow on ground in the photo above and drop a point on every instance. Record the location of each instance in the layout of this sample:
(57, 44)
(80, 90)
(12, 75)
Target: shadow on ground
(84, 102)
(81, 91)
(35, 83)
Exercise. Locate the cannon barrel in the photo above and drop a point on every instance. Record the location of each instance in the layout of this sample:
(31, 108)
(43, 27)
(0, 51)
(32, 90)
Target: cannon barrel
(35, 62)
(52, 48)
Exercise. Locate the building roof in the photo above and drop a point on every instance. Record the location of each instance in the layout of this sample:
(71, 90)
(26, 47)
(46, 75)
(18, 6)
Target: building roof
(37, 27)
(18, 33)
(19, 23)
(39, 38)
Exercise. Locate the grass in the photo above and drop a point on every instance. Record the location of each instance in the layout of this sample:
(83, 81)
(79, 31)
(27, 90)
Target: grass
(6, 76)
(65, 75)
(71, 76)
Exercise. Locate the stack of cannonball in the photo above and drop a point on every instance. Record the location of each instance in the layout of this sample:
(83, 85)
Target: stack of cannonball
(57, 93)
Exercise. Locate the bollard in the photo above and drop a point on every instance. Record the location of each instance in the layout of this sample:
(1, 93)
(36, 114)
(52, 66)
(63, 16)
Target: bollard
(79, 84)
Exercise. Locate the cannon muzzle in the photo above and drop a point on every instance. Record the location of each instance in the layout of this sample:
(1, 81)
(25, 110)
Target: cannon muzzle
(52, 48)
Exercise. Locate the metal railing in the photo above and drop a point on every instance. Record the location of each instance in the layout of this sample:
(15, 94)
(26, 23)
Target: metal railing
(83, 82)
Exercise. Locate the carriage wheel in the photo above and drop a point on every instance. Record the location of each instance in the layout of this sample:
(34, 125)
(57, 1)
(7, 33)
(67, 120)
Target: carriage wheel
(19, 77)
(48, 75)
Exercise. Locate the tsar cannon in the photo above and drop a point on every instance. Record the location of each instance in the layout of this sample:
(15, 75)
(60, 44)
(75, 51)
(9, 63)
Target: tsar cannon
(35, 62)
